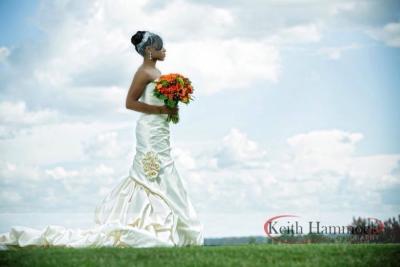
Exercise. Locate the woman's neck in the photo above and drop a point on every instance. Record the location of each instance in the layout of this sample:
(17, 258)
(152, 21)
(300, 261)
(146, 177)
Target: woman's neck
(149, 63)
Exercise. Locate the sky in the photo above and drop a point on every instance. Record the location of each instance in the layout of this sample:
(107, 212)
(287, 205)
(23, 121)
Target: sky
(296, 108)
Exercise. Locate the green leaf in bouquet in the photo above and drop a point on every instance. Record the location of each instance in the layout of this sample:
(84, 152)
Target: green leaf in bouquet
(171, 103)
(180, 80)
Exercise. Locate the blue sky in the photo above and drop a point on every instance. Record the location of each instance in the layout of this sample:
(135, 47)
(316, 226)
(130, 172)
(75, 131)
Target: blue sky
(18, 20)
(296, 107)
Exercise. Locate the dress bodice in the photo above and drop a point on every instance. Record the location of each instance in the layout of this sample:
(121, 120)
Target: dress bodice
(148, 95)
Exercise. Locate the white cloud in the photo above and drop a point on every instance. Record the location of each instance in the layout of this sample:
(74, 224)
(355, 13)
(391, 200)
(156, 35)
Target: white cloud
(339, 7)
(335, 52)
(389, 34)
(323, 150)
(299, 34)
(374, 172)
(237, 149)
(18, 172)
(320, 171)
(101, 38)
(59, 173)
(87, 62)
(4, 53)
(97, 56)
(183, 157)
(54, 143)
(99, 100)
(16, 119)
(209, 22)
(16, 113)
(10, 197)
(39, 188)
(214, 64)
(79, 180)
(104, 146)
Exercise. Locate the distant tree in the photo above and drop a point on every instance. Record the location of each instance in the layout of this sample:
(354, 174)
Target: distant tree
(364, 230)
(391, 231)
(318, 238)
(252, 240)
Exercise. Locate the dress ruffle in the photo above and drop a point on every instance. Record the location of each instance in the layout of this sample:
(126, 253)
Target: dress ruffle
(131, 215)
(136, 204)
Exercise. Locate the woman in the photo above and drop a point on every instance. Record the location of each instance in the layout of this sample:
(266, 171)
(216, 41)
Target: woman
(145, 209)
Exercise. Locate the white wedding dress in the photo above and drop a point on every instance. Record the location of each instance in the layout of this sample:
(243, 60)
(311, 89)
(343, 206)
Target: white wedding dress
(149, 207)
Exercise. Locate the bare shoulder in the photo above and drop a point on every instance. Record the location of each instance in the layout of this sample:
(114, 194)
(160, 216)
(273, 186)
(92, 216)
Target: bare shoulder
(142, 75)
(148, 73)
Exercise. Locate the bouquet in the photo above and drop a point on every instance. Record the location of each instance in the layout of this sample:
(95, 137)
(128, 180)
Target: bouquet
(173, 88)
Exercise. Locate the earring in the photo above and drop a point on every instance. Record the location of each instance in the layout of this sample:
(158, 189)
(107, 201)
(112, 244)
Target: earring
(150, 58)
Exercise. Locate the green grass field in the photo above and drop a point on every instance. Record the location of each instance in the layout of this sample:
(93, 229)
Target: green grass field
(234, 255)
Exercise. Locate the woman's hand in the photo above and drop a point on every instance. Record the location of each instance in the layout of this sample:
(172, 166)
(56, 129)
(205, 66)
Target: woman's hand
(170, 111)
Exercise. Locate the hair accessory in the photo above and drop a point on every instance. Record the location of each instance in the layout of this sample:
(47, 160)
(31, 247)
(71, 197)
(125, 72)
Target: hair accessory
(146, 36)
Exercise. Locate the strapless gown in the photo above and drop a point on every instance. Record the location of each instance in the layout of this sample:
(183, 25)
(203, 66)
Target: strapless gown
(148, 207)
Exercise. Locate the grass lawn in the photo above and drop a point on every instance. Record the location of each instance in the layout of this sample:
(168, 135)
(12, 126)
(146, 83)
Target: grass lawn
(235, 255)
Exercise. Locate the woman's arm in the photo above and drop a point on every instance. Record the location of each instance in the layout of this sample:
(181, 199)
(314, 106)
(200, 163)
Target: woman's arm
(139, 82)
(143, 107)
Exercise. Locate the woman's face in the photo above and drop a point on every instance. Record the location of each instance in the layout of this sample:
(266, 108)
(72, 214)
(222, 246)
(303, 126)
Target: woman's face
(158, 54)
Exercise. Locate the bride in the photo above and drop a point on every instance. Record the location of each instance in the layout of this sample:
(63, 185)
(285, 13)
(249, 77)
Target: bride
(146, 208)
